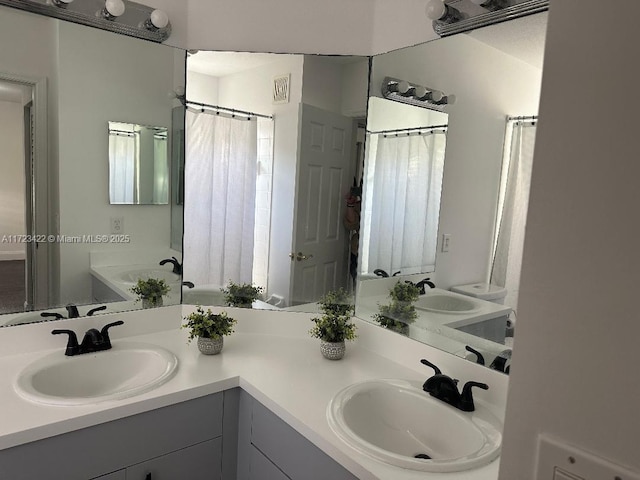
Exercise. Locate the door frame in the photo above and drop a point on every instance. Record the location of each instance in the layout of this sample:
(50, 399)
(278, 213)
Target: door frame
(41, 270)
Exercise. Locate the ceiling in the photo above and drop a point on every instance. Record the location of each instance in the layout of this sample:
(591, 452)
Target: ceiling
(522, 38)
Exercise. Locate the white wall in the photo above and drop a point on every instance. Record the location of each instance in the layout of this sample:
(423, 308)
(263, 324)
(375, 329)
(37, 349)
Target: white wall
(202, 88)
(489, 85)
(97, 72)
(12, 183)
(336, 86)
(574, 372)
(281, 26)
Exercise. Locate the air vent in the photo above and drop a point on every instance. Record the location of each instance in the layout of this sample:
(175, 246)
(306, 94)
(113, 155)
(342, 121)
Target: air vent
(281, 89)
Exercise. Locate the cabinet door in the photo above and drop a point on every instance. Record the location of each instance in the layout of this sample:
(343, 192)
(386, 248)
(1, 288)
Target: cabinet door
(119, 475)
(199, 462)
(261, 468)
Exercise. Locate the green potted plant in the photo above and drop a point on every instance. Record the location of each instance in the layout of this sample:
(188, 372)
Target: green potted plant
(335, 325)
(241, 294)
(150, 291)
(209, 328)
(400, 312)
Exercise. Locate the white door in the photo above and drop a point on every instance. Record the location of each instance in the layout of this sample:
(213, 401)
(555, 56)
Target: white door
(320, 252)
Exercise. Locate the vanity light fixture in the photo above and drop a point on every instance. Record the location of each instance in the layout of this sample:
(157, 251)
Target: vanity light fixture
(112, 9)
(417, 95)
(496, 11)
(156, 21)
(61, 3)
(125, 17)
(493, 5)
(439, 11)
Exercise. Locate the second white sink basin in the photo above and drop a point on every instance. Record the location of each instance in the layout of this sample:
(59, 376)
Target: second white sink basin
(445, 303)
(126, 370)
(395, 422)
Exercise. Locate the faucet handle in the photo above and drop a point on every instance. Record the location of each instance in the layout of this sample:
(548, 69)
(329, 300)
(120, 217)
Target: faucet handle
(429, 364)
(466, 399)
(72, 343)
(94, 310)
(105, 332)
(479, 356)
(51, 314)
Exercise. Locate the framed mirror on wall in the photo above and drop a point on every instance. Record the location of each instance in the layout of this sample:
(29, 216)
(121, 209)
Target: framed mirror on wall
(494, 73)
(272, 150)
(66, 249)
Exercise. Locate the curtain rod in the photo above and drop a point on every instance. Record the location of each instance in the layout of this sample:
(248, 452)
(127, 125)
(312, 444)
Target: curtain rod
(527, 117)
(233, 111)
(413, 129)
(123, 132)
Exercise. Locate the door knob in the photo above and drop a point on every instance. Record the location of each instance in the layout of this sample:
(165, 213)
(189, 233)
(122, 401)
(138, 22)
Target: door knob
(300, 256)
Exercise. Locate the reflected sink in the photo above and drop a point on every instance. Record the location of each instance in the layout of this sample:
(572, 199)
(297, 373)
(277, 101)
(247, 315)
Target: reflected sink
(131, 277)
(442, 303)
(394, 421)
(126, 370)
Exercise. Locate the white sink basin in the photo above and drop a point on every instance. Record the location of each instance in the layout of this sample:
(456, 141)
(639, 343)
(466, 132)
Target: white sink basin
(131, 277)
(444, 303)
(126, 370)
(394, 420)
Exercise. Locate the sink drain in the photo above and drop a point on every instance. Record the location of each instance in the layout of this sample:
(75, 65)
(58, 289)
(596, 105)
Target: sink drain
(424, 456)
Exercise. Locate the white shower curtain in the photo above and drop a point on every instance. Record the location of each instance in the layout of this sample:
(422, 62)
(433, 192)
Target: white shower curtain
(512, 216)
(123, 159)
(402, 202)
(219, 213)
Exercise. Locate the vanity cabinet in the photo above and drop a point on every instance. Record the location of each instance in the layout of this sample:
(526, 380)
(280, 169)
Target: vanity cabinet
(269, 449)
(182, 441)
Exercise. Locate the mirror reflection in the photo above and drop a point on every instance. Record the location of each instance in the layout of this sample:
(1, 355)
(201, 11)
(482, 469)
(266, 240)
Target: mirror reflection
(67, 251)
(273, 148)
(138, 164)
(402, 187)
(467, 305)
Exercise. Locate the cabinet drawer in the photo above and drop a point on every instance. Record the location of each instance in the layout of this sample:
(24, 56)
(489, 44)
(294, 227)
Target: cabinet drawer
(115, 445)
(261, 468)
(199, 462)
(296, 456)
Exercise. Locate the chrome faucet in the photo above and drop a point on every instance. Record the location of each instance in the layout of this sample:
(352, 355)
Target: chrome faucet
(177, 266)
(445, 388)
(94, 340)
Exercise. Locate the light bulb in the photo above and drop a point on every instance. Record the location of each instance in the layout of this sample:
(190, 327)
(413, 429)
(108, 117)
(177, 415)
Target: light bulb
(436, 9)
(421, 92)
(114, 8)
(451, 99)
(159, 19)
(436, 95)
(403, 87)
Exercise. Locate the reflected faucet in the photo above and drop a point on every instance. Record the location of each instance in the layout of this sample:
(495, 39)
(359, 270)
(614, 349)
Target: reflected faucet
(72, 311)
(422, 283)
(177, 267)
(445, 388)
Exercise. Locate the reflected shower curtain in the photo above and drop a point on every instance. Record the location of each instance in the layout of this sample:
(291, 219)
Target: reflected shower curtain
(219, 214)
(512, 217)
(123, 153)
(160, 170)
(402, 202)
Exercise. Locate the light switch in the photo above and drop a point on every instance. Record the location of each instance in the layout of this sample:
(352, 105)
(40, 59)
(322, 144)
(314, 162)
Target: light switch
(446, 241)
(559, 460)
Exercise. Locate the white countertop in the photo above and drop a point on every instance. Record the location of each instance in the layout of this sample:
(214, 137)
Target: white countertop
(271, 357)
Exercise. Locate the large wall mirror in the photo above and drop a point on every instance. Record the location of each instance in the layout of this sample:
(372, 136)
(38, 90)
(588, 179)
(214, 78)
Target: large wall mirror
(274, 146)
(479, 215)
(66, 250)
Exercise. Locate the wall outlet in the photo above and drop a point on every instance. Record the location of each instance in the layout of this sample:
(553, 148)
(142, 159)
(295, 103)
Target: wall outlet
(117, 225)
(446, 242)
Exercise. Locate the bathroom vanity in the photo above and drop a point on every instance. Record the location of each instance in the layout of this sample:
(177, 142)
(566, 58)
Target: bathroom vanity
(219, 416)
